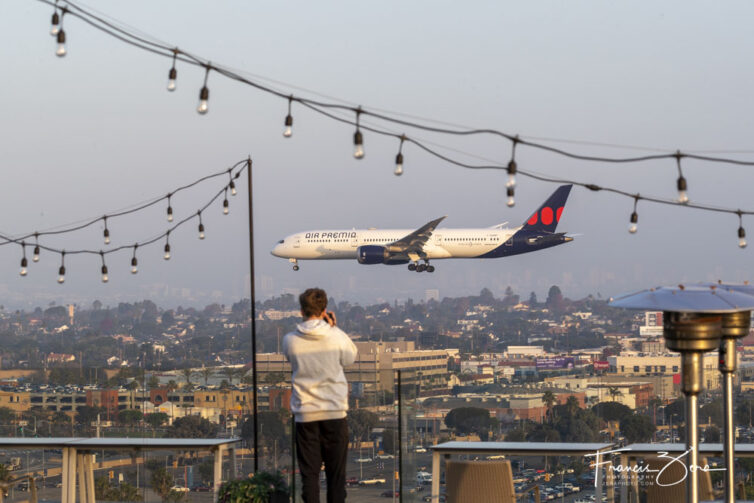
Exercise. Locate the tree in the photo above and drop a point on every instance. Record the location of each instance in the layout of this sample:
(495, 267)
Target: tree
(548, 398)
(614, 392)
(130, 417)
(162, 480)
(611, 411)
(273, 378)
(206, 373)
(230, 373)
(153, 382)
(465, 420)
(87, 415)
(532, 299)
(637, 428)
(192, 427)
(187, 373)
(554, 300)
(360, 423)
(572, 405)
(156, 419)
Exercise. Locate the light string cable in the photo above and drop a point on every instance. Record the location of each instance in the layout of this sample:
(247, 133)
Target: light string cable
(174, 53)
(325, 108)
(234, 172)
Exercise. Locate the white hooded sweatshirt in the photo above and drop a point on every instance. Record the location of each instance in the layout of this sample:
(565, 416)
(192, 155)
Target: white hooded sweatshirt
(318, 353)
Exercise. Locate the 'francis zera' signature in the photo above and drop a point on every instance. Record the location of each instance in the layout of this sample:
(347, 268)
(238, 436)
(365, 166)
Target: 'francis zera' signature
(646, 469)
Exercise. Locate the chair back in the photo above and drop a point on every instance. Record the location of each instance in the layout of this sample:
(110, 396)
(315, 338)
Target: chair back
(479, 481)
(674, 477)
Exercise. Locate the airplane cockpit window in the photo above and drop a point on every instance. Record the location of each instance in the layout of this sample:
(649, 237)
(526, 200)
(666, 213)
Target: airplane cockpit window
(281, 241)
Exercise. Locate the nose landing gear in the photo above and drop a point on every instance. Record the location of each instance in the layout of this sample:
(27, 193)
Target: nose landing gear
(294, 262)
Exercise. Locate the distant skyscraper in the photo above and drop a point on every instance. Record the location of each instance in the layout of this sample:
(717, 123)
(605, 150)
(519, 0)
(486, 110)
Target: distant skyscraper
(432, 294)
(70, 313)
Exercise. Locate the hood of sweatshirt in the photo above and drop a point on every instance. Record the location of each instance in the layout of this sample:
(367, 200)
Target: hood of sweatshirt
(313, 329)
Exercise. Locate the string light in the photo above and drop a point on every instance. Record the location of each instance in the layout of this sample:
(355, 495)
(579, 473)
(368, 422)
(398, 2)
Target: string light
(106, 232)
(61, 271)
(358, 139)
(683, 197)
(170, 208)
(510, 191)
(226, 209)
(201, 225)
(399, 158)
(289, 120)
(35, 258)
(232, 184)
(134, 262)
(24, 262)
(512, 166)
(741, 231)
(173, 73)
(55, 22)
(632, 226)
(203, 107)
(61, 51)
(105, 277)
(166, 255)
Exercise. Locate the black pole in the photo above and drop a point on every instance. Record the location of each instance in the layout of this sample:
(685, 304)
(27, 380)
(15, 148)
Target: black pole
(293, 458)
(253, 319)
(400, 441)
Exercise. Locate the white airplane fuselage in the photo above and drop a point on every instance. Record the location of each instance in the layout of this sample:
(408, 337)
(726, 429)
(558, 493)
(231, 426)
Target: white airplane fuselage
(343, 244)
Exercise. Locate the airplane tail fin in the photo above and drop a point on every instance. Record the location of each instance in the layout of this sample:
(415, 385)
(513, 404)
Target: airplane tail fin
(546, 218)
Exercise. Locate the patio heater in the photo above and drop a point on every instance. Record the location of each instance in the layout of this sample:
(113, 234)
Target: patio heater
(694, 318)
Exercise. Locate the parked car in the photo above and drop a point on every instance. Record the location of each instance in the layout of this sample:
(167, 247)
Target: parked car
(390, 494)
(352, 481)
(385, 456)
(179, 489)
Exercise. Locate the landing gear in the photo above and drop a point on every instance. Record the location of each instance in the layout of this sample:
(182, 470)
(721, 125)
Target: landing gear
(295, 268)
(413, 266)
(294, 262)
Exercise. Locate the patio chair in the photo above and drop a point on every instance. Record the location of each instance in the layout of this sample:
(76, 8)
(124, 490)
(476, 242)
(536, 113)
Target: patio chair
(483, 481)
(675, 492)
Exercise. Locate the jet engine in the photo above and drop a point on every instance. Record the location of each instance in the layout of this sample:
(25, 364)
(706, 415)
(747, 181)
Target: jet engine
(371, 254)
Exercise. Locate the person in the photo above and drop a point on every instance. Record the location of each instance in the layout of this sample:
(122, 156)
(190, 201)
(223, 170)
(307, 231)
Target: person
(318, 351)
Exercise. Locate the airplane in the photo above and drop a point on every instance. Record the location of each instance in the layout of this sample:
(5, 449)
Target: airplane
(404, 246)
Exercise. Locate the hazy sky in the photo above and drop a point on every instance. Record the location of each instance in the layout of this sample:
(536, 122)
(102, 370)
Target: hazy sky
(96, 131)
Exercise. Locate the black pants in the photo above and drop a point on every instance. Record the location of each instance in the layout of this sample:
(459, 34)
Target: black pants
(320, 441)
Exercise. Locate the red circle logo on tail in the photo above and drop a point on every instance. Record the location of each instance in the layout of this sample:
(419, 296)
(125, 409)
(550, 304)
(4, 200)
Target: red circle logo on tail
(547, 215)
(558, 213)
(533, 219)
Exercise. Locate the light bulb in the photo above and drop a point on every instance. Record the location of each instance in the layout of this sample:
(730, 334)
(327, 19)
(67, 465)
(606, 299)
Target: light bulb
(24, 263)
(134, 266)
(172, 75)
(61, 44)
(233, 190)
(632, 227)
(166, 256)
(203, 101)
(512, 168)
(105, 277)
(398, 165)
(106, 234)
(201, 231)
(61, 274)
(170, 213)
(741, 237)
(226, 209)
(35, 258)
(288, 126)
(683, 198)
(55, 24)
(511, 201)
(358, 142)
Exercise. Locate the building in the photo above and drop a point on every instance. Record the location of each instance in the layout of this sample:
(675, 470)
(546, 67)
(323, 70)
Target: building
(637, 364)
(372, 376)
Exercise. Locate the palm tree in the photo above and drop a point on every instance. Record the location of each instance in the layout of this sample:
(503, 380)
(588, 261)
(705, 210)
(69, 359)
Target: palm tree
(187, 373)
(230, 373)
(206, 373)
(548, 398)
(614, 392)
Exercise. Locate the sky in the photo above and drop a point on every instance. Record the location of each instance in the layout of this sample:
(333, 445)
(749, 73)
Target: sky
(96, 132)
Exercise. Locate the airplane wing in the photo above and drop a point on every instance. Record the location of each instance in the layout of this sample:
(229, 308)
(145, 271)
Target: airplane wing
(413, 244)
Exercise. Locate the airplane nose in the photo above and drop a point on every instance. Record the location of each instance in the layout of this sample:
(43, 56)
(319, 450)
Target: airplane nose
(276, 250)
